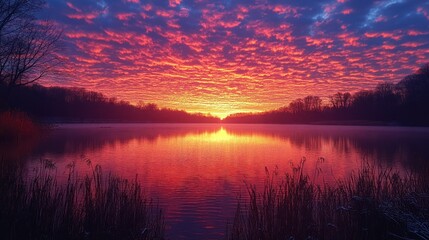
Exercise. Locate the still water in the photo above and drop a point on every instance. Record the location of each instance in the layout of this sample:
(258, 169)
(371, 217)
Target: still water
(198, 171)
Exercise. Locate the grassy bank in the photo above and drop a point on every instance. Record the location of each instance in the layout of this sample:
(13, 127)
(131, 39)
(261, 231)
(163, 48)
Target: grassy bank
(16, 126)
(89, 207)
(371, 204)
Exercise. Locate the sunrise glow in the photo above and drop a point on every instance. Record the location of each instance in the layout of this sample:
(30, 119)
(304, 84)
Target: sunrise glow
(223, 57)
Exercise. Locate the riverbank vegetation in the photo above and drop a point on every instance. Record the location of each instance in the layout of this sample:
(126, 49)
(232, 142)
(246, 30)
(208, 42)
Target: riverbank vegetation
(373, 203)
(37, 205)
(16, 126)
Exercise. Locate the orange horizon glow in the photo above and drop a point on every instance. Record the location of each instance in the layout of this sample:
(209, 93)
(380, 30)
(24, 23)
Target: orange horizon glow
(222, 57)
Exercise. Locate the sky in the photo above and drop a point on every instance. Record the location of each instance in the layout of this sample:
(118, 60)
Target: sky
(225, 56)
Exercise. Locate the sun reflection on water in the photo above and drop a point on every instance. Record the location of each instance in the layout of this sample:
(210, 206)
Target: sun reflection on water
(224, 136)
(198, 171)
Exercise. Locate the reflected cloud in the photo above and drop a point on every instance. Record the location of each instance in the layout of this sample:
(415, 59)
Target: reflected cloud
(404, 146)
(84, 138)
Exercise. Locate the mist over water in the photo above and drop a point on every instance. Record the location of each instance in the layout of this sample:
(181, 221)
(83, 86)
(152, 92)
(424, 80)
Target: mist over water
(198, 171)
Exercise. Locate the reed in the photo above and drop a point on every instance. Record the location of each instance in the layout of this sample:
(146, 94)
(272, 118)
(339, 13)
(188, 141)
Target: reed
(94, 206)
(373, 203)
(16, 126)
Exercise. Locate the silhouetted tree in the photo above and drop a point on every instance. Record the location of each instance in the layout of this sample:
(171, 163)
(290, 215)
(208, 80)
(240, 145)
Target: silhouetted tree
(151, 107)
(387, 101)
(362, 104)
(415, 86)
(27, 45)
(414, 91)
(297, 106)
(340, 100)
(140, 104)
(312, 103)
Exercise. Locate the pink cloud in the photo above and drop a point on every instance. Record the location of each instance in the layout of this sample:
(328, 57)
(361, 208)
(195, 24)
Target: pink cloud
(174, 3)
(283, 9)
(124, 16)
(416, 33)
(165, 13)
(412, 44)
(392, 35)
(319, 41)
(147, 7)
(380, 19)
(70, 5)
(347, 11)
(230, 57)
(87, 17)
(349, 40)
(423, 11)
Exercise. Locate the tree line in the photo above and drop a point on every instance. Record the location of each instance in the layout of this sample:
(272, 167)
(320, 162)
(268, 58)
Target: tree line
(58, 104)
(404, 103)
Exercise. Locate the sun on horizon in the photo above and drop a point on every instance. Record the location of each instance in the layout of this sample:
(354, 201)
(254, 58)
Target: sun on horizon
(223, 57)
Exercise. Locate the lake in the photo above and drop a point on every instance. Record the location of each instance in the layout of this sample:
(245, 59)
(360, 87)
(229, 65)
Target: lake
(198, 171)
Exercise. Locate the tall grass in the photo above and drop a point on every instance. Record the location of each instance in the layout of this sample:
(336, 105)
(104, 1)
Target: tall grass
(92, 207)
(16, 125)
(373, 203)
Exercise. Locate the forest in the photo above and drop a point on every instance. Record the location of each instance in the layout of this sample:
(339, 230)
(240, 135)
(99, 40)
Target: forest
(58, 104)
(403, 103)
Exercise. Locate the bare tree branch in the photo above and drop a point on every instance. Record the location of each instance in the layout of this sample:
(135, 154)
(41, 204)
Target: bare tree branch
(27, 45)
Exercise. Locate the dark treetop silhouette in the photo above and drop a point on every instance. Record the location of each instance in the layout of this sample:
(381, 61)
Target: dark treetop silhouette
(404, 103)
(56, 104)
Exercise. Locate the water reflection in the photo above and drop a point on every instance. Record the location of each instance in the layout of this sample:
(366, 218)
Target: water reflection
(197, 171)
(377, 143)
